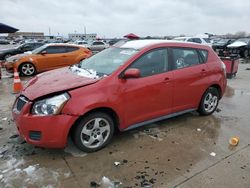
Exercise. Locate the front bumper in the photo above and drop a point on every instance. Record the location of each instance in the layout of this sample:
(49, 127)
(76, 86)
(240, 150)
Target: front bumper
(43, 131)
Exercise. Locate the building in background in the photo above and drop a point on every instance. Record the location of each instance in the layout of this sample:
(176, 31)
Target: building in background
(79, 36)
(27, 35)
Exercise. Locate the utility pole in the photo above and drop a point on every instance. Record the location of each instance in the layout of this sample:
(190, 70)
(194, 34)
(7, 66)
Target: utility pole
(49, 32)
(85, 30)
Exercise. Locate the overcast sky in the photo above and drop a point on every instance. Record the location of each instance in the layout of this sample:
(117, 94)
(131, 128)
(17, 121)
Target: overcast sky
(115, 18)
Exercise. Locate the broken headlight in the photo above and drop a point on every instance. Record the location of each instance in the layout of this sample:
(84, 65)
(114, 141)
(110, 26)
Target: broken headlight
(50, 106)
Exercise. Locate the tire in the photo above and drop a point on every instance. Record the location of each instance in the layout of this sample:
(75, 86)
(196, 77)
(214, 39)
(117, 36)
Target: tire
(209, 101)
(27, 69)
(93, 132)
(7, 56)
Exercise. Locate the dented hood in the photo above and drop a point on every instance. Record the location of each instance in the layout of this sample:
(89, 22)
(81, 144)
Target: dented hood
(54, 81)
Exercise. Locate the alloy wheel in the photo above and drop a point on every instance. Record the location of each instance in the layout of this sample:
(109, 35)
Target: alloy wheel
(95, 133)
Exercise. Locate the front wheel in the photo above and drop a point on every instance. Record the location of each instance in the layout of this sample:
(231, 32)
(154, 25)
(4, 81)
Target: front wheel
(93, 132)
(27, 69)
(209, 101)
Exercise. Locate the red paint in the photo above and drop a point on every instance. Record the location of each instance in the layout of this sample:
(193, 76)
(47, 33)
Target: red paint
(231, 65)
(133, 100)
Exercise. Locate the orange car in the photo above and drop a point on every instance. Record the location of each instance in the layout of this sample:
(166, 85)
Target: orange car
(47, 57)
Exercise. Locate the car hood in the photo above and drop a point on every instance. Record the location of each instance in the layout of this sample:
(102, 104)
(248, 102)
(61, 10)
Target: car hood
(54, 81)
(8, 50)
(237, 44)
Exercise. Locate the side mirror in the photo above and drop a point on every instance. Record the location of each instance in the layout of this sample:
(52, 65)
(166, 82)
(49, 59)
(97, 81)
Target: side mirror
(43, 52)
(132, 73)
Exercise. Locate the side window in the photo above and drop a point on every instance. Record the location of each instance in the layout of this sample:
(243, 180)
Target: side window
(190, 40)
(55, 49)
(197, 40)
(183, 57)
(71, 49)
(153, 62)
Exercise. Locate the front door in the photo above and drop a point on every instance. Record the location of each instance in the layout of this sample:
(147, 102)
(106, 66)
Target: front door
(149, 96)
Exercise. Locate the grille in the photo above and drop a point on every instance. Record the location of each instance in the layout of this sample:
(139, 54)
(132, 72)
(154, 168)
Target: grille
(21, 101)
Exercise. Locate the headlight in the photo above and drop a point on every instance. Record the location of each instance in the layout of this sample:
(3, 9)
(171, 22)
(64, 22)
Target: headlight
(50, 106)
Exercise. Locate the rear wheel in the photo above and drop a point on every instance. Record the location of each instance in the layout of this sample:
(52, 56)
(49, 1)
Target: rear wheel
(93, 132)
(27, 69)
(209, 101)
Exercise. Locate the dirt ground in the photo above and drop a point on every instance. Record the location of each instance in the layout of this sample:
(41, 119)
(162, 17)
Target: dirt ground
(186, 151)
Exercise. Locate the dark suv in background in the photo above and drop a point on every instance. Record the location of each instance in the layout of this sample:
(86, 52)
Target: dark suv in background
(5, 53)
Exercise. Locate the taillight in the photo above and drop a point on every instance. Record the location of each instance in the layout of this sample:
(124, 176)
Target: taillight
(223, 66)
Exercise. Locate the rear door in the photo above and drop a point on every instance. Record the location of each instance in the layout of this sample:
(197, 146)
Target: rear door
(190, 77)
(149, 96)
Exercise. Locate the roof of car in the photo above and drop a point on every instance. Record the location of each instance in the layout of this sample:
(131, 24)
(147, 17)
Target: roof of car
(62, 44)
(139, 44)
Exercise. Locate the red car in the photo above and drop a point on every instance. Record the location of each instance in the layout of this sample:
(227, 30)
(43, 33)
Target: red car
(124, 87)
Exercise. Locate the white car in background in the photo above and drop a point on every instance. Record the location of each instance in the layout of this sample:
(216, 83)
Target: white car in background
(98, 46)
(205, 41)
(82, 43)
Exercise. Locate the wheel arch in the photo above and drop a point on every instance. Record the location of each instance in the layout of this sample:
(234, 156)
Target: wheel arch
(217, 86)
(20, 65)
(106, 110)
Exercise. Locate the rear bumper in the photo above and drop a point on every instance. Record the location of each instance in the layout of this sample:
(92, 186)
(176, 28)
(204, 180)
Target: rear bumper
(43, 131)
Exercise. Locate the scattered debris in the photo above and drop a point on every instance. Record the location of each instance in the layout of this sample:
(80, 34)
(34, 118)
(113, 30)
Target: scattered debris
(116, 163)
(234, 141)
(125, 161)
(107, 183)
(30, 169)
(198, 129)
(1, 128)
(213, 154)
(4, 119)
(94, 184)
(154, 133)
(14, 136)
(218, 110)
(247, 68)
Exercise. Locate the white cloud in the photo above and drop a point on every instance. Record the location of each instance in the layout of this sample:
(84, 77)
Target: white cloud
(116, 18)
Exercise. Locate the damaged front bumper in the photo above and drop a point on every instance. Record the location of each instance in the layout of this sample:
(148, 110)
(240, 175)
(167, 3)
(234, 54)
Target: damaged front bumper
(44, 131)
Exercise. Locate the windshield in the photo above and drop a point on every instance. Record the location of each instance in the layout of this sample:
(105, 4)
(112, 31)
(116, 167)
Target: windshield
(38, 50)
(207, 40)
(107, 61)
(180, 39)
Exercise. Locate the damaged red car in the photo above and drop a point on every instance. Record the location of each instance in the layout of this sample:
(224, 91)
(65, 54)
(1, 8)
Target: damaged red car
(125, 86)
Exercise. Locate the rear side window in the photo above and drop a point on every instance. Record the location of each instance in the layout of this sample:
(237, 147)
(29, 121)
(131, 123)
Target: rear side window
(55, 49)
(98, 43)
(71, 49)
(153, 62)
(184, 57)
(204, 55)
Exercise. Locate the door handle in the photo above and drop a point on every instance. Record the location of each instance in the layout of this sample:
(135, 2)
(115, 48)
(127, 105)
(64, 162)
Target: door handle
(166, 80)
(203, 71)
(64, 56)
